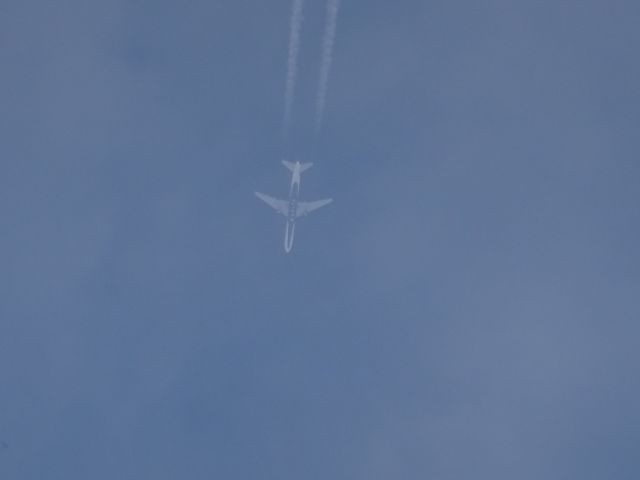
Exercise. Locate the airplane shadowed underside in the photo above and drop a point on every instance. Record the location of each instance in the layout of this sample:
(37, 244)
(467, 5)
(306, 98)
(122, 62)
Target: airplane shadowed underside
(293, 208)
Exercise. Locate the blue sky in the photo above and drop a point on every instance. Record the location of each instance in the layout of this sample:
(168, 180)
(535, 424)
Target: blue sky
(467, 306)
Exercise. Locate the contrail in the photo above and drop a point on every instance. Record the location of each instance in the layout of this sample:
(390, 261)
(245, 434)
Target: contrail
(327, 58)
(292, 63)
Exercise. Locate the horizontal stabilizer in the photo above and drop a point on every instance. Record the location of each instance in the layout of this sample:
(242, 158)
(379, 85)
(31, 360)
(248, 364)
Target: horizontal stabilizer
(291, 166)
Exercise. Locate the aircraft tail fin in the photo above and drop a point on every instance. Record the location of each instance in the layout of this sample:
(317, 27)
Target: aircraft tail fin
(291, 166)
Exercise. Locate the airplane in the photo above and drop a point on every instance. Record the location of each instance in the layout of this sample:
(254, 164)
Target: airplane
(292, 208)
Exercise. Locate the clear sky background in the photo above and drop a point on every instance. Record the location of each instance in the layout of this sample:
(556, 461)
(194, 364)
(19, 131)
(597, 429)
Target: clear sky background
(468, 307)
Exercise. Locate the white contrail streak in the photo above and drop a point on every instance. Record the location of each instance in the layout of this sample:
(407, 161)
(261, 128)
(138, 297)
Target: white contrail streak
(292, 63)
(327, 58)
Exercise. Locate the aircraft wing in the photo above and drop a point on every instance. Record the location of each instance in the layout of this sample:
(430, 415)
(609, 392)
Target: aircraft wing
(304, 208)
(281, 206)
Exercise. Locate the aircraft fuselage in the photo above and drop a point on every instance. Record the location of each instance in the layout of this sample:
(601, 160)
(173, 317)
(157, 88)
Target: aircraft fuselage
(294, 193)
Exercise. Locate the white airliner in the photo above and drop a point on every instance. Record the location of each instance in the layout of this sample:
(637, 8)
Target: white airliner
(293, 208)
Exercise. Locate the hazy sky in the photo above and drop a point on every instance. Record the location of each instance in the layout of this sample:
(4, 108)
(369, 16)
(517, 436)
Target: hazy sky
(468, 307)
